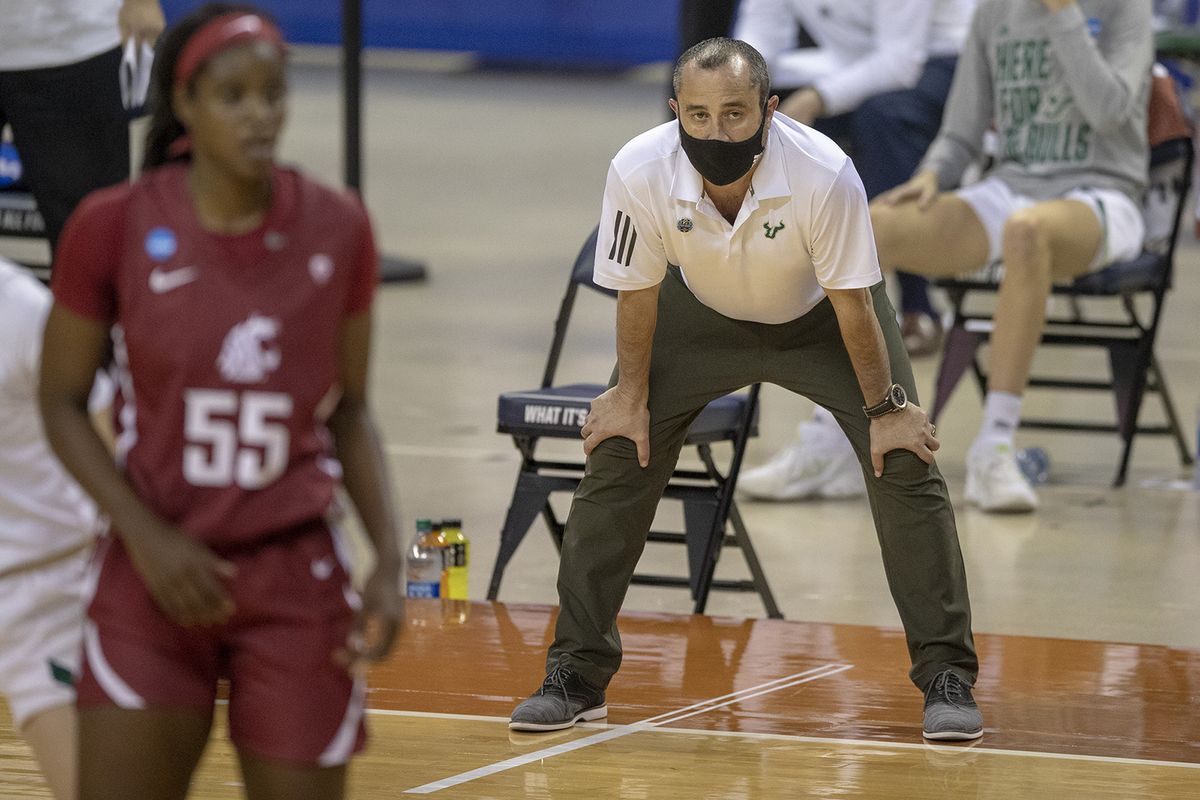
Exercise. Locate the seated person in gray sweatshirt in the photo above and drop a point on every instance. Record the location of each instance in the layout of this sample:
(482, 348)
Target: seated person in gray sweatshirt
(1066, 84)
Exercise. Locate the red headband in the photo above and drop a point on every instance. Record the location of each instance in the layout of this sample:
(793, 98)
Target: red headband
(219, 34)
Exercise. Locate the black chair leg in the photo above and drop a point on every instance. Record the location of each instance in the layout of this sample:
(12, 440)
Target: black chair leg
(529, 500)
(1123, 465)
(958, 356)
(554, 524)
(700, 525)
(1129, 364)
(756, 571)
(713, 542)
(1160, 386)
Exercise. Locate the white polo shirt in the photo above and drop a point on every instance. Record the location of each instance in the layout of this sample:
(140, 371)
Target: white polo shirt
(43, 511)
(803, 227)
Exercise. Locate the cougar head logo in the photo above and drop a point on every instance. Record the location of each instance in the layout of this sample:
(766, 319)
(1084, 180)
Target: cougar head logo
(248, 354)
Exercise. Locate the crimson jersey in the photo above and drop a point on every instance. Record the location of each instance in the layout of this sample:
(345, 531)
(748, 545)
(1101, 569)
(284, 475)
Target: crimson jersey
(226, 345)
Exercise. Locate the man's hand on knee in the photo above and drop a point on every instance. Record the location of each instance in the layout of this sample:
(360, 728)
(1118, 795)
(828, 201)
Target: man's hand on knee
(617, 413)
(907, 429)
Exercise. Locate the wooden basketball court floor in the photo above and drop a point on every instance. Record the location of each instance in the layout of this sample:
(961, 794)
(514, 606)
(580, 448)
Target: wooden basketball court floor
(494, 178)
(750, 708)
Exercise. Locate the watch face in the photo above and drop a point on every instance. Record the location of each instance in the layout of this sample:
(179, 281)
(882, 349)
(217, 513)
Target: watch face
(899, 398)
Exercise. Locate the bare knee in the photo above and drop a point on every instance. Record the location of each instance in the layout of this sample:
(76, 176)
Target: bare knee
(1026, 242)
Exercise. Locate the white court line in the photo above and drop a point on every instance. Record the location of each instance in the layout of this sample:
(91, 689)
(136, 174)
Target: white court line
(790, 737)
(624, 730)
(746, 694)
(946, 748)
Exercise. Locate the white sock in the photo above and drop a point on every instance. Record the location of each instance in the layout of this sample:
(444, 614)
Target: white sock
(1001, 415)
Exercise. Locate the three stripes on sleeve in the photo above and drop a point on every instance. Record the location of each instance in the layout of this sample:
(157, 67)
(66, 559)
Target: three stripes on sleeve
(624, 238)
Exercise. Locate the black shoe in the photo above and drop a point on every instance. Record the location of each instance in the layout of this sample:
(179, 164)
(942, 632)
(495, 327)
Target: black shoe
(564, 699)
(950, 711)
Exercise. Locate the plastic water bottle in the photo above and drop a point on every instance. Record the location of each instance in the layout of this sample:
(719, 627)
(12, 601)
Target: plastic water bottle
(423, 562)
(1035, 464)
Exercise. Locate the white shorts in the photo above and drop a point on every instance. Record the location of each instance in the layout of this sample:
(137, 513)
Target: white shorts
(41, 630)
(1121, 222)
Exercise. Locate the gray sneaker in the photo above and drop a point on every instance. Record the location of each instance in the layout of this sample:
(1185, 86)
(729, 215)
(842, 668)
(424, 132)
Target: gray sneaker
(950, 711)
(564, 699)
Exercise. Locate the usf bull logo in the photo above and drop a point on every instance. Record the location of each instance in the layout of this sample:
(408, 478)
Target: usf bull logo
(770, 232)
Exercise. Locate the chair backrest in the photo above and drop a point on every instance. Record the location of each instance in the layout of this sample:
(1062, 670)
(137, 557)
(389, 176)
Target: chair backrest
(1169, 132)
(1166, 196)
(581, 275)
(583, 271)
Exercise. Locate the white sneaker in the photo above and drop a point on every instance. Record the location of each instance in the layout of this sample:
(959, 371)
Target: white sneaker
(844, 482)
(820, 463)
(995, 482)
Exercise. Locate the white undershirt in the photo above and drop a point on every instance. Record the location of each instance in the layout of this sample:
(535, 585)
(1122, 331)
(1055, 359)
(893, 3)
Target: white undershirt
(53, 33)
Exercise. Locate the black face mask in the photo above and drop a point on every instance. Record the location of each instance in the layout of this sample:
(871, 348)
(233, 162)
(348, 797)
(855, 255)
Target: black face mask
(721, 163)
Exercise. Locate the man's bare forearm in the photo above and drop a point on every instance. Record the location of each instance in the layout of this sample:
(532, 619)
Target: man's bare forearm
(637, 315)
(864, 341)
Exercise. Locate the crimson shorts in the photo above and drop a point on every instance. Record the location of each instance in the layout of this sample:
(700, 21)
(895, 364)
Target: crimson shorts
(288, 700)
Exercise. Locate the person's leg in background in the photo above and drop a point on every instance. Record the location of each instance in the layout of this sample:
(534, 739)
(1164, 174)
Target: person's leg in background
(839, 128)
(911, 119)
(1038, 243)
(921, 325)
(41, 636)
(71, 132)
(1046, 242)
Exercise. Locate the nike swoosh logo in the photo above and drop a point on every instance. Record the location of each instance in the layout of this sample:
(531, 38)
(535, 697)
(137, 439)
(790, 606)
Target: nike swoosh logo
(162, 282)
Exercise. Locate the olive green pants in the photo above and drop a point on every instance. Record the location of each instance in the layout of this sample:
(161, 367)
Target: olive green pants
(698, 356)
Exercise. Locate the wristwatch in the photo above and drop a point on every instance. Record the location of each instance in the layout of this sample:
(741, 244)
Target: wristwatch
(895, 400)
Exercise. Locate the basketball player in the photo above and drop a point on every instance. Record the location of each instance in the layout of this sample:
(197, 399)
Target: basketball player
(47, 527)
(237, 295)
